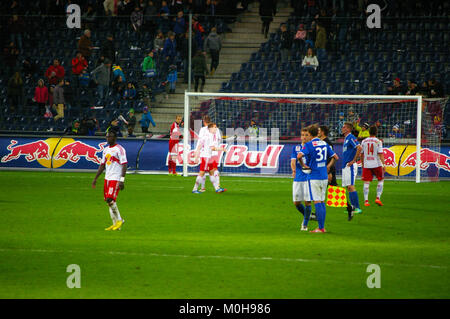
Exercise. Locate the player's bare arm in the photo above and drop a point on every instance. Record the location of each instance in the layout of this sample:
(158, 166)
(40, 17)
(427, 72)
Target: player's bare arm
(334, 158)
(122, 178)
(100, 170)
(381, 156)
(358, 153)
(299, 158)
(293, 167)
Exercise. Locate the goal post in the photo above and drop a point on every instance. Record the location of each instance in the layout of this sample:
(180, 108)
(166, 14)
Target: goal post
(397, 116)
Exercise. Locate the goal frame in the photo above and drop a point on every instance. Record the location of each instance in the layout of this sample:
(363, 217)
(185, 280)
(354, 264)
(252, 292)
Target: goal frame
(187, 110)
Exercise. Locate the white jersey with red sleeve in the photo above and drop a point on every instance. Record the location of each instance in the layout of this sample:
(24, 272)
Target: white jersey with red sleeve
(217, 141)
(371, 148)
(175, 131)
(114, 157)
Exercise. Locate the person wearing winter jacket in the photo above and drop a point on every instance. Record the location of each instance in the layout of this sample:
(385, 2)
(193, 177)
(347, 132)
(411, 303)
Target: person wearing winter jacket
(146, 120)
(55, 72)
(41, 96)
(213, 43)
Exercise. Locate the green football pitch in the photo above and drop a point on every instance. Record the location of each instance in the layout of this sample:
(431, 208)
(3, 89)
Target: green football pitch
(245, 243)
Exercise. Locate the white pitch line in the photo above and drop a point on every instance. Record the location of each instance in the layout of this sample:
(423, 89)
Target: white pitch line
(302, 260)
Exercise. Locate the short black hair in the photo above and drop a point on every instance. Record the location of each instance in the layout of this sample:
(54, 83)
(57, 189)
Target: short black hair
(373, 130)
(324, 129)
(113, 132)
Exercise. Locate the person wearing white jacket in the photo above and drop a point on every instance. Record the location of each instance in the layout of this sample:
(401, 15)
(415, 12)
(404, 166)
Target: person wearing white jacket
(310, 60)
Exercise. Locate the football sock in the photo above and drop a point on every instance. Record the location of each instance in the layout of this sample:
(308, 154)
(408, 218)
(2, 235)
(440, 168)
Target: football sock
(300, 208)
(307, 215)
(320, 213)
(198, 181)
(170, 165)
(366, 191)
(214, 182)
(380, 189)
(354, 198)
(115, 210)
(113, 217)
(202, 182)
(217, 176)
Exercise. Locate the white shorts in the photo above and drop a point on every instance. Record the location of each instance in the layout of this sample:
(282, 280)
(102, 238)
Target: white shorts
(349, 175)
(300, 192)
(317, 189)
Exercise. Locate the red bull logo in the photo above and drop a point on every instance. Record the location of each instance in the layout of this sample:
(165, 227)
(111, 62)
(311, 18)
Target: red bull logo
(389, 158)
(74, 151)
(239, 155)
(427, 158)
(53, 152)
(32, 151)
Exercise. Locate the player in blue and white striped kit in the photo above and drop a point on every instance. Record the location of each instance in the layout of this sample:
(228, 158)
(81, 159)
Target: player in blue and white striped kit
(316, 153)
(351, 151)
(300, 191)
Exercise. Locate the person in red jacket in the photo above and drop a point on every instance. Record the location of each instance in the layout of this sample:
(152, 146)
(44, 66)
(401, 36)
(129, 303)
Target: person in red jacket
(41, 96)
(79, 63)
(175, 133)
(55, 72)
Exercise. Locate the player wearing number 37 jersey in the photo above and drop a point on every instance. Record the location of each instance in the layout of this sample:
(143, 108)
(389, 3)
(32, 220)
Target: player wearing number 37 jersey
(317, 153)
(372, 160)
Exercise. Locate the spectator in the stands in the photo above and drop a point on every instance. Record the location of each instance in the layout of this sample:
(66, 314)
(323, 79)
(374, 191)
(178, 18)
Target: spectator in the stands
(15, 92)
(150, 14)
(10, 55)
(184, 50)
(55, 72)
(435, 89)
(321, 39)
(286, 43)
(109, 7)
(199, 69)
(363, 130)
(199, 31)
(117, 71)
(69, 93)
(118, 86)
(396, 132)
(137, 19)
(169, 50)
(180, 26)
(108, 49)
(149, 64)
(397, 88)
(300, 35)
(267, 10)
(41, 96)
(125, 7)
(412, 88)
(85, 44)
(16, 29)
(131, 119)
(310, 60)
(114, 125)
(158, 43)
(213, 44)
(74, 128)
(79, 64)
(145, 94)
(84, 79)
(130, 92)
(146, 120)
(101, 76)
(89, 125)
(172, 77)
(58, 99)
(29, 67)
(89, 16)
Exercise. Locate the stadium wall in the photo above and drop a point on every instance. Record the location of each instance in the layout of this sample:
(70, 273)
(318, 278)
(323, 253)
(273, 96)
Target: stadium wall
(68, 153)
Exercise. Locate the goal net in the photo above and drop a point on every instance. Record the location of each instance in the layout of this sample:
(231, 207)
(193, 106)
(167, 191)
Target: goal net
(267, 126)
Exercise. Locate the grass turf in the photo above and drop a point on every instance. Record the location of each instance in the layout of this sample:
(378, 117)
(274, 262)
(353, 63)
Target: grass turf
(245, 243)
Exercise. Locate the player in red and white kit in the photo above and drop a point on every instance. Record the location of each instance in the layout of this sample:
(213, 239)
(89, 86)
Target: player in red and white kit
(206, 145)
(114, 162)
(175, 133)
(372, 160)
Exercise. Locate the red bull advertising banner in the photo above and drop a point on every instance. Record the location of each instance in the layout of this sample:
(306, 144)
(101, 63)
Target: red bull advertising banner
(72, 153)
